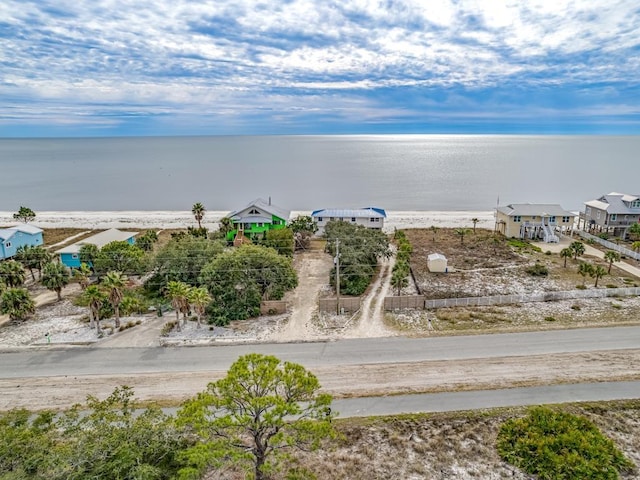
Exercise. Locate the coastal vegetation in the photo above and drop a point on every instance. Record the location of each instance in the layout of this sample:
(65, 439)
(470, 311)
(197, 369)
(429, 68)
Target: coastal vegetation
(24, 214)
(359, 249)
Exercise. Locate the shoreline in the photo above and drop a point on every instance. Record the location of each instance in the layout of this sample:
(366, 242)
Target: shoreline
(165, 219)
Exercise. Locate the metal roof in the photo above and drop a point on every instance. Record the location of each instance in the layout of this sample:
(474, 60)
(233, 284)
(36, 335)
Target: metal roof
(535, 210)
(99, 240)
(266, 206)
(368, 212)
(7, 233)
(615, 203)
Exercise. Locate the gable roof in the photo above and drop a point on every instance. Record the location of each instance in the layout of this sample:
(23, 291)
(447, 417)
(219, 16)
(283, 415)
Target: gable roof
(267, 207)
(535, 210)
(7, 233)
(99, 240)
(615, 203)
(367, 212)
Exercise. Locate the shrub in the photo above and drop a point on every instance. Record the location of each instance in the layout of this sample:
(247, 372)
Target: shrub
(167, 328)
(549, 319)
(538, 270)
(581, 287)
(575, 307)
(558, 445)
(548, 252)
(611, 285)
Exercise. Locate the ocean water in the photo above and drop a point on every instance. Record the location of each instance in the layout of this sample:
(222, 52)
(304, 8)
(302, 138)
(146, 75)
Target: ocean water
(396, 172)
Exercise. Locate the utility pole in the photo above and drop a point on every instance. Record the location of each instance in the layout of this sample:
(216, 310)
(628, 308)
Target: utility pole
(337, 262)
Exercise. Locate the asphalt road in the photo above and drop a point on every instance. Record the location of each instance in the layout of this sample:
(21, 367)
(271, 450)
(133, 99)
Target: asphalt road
(479, 399)
(90, 361)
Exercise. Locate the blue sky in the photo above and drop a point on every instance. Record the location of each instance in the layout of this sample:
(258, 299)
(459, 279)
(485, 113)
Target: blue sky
(176, 67)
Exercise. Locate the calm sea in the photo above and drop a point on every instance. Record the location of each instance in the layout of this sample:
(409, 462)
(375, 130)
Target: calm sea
(396, 172)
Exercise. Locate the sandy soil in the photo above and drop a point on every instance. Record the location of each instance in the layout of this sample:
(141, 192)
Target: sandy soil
(343, 381)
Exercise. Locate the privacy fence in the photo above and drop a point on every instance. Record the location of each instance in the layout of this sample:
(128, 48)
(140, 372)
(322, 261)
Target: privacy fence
(347, 304)
(399, 303)
(610, 245)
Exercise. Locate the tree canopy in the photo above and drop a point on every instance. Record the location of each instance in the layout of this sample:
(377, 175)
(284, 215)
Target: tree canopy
(120, 256)
(263, 408)
(241, 278)
(24, 214)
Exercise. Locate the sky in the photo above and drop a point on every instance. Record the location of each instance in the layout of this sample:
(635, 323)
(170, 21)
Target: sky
(247, 67)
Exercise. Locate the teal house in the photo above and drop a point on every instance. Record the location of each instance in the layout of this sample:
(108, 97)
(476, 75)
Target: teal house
(255, 219)
(70, 255)
(12, 238)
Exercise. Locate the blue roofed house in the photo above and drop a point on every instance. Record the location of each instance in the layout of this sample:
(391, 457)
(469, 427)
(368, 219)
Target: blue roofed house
(70, 255)
(12, 238)
(369, 217)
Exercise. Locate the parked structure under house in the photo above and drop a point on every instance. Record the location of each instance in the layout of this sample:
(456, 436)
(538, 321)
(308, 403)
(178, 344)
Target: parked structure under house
(12, 238)
(70, 255)
(534, 221)
(254, 220)
(613, 213)
(370, 217)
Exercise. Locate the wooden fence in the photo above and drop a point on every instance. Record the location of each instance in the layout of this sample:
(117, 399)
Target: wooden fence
(347, 304)
(397, 303)
(273, 307)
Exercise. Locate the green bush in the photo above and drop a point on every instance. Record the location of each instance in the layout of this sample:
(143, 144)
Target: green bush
(538, 270)
(581, 287)
(558, 445)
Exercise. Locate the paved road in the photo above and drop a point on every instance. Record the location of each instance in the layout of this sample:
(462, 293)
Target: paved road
(454, 401)
(89, 361)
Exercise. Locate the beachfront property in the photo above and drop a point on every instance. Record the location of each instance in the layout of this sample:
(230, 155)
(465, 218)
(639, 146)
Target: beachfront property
(12, 238)
(70, 255)
(613, 214)
(255, 219)
(370, 217)
(533, 221)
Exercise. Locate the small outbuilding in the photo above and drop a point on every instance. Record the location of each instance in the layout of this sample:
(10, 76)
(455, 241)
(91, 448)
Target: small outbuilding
(437, 263)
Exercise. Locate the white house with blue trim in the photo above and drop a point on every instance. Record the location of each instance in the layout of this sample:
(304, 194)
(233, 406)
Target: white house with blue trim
(369, 217)
(12, 238)
(70, 255)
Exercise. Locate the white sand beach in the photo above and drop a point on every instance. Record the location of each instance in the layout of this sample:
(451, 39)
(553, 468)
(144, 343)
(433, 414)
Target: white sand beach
(183, 219)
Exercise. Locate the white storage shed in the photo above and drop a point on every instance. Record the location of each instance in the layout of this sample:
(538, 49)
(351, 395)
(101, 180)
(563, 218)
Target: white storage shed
(436, 262)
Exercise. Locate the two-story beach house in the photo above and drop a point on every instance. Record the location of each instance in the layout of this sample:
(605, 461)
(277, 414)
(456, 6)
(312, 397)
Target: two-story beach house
(613, 213)
(70, 255)
(370, 217)
(12, 238)
(533, 221)
(255, 219)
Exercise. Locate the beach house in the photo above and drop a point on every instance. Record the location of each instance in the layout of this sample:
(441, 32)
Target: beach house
(613, 213)
(255, 219)
(533, 221)
(370, 217)
(12, 238)
(70, 255)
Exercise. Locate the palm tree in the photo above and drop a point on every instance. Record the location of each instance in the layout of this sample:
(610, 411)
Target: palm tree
(635, 246)
(17, 303)
(199, 298)
(611, 256)
(13, 273)
(566, 253)
(198, 212)
(434, 230)
(399, 277)
(634, 231)
(55, 276)
(226, 225)
(597, 272)
(81, 275)
(578, 249)
(462, 232)
(114, 282)
(584, 269)
(474, 221)
(177, 293)
(95, 298)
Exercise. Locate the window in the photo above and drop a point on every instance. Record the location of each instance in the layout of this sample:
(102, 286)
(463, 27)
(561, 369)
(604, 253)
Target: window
(552, 219)
(253, 211)
(613, 217)
(375, 219)
(588, 211)
(353, 219)
(74, 256)
(565, 219)
(517, 218)
(319, 219)
(635, 204)
(598, 214)
(7, 244)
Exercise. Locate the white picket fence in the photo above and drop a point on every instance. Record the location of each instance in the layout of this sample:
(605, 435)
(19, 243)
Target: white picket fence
(610, 245)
